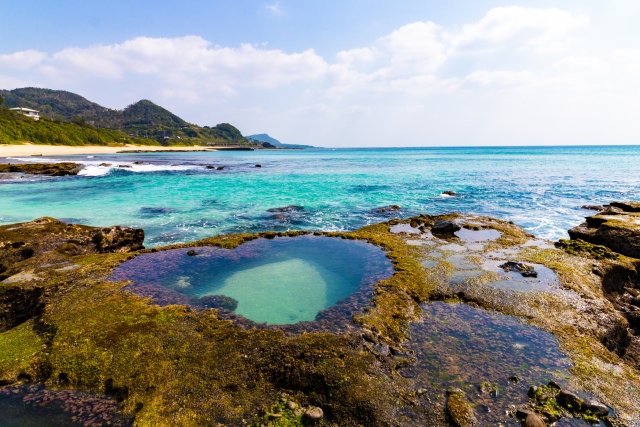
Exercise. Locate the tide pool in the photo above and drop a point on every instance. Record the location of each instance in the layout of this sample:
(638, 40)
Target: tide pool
(280, 281)
(175, 198)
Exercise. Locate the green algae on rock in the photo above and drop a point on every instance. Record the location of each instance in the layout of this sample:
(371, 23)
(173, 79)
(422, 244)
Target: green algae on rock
(175, 365)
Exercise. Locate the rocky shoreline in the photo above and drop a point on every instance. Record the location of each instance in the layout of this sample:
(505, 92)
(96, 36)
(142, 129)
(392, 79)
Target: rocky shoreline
(181, 365)
(48, 169)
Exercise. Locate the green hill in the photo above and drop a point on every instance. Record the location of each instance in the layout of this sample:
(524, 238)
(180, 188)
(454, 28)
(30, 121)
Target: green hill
(14, 127)
(143, 119)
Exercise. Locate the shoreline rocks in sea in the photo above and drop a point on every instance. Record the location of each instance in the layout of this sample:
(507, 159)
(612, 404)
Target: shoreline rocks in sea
(47, 169)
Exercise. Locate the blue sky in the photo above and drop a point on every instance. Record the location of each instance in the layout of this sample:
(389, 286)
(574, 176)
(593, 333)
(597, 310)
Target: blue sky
(347, 73)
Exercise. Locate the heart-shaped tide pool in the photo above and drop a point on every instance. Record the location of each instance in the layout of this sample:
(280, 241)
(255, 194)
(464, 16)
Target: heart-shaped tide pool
(279, 281)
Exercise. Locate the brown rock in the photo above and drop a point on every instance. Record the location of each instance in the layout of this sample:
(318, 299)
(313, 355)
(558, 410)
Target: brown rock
(314, 414)
(460, 411)
(617, 228)
(533, 420)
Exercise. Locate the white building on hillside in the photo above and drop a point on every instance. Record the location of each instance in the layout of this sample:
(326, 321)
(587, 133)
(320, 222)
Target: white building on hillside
(34, 114)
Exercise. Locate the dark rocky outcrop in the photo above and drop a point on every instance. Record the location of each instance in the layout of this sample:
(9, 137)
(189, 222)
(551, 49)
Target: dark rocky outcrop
(48, 169)
(442, 226)
(616, 227)
(19, 242)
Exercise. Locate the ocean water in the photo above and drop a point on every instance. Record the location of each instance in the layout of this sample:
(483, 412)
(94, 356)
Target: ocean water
(175, 198)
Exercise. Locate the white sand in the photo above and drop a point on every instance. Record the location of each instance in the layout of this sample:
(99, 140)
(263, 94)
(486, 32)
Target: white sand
(52, 150)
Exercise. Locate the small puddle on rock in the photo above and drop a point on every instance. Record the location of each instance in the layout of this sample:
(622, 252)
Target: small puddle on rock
(474, 236)
(546, 280)
(37, 406)
(458, 345)
(404, 228)
(282, 281)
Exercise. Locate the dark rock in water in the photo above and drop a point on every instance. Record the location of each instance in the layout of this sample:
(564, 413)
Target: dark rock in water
(192, 253)
(534, 420)
(210, 167)
(442, 226)
(314, 414)
(593, 207)
(151, 210)
(596, 408)
(290, 208)
(105, 165)
(48, 169)
(258, 166)
(617, 228)
(449, 193)
(554, 384)
(514, 379)
(387, 209)
(532, 391)
(483, 409)
(569, 400)
(218, 301)
(220, 168)
(519, 267)
(138, 163)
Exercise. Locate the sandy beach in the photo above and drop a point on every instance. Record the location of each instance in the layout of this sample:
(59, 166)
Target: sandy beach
(52, 150)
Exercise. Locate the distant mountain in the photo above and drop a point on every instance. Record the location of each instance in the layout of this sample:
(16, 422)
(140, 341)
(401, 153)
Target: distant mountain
(263, 137)
(143, 119)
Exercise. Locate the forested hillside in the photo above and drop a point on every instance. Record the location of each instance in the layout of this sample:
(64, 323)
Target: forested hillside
(143, 119)
(14, 127)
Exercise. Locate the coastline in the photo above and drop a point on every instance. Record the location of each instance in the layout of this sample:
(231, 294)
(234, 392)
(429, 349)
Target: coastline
(61, 150)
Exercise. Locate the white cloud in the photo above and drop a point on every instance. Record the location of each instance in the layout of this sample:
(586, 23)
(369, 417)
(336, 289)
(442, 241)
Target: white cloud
(415, 48)
(516, 75)
(540, 30)
(275, 8)
(183, 63)
(22, 60)
(499, 78)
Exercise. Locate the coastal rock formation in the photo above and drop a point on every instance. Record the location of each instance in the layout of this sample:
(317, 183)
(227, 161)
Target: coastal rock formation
(188, 364)
(48, 169)
(51, 238)
(617, 227)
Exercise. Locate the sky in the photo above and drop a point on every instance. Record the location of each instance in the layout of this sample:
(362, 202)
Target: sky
(346, 73)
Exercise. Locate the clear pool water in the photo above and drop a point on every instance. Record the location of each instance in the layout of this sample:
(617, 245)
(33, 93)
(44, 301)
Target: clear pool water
(279, 281)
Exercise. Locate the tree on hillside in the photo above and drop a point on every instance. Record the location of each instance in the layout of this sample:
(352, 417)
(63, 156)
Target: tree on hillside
(1, 100)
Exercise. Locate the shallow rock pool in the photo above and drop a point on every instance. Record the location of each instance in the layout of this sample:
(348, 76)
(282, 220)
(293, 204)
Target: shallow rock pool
(277, 281)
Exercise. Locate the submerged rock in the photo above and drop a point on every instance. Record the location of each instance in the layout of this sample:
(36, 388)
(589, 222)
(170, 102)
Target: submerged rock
(459, 409)
(519, 267)
(290, 208)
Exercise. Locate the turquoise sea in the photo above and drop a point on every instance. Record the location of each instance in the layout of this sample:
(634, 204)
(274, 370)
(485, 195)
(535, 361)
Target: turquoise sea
(175, 198)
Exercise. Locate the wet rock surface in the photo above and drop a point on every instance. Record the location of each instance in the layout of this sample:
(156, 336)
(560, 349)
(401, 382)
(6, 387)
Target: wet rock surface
(33, 405)
(448, 317)
(48, 169)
